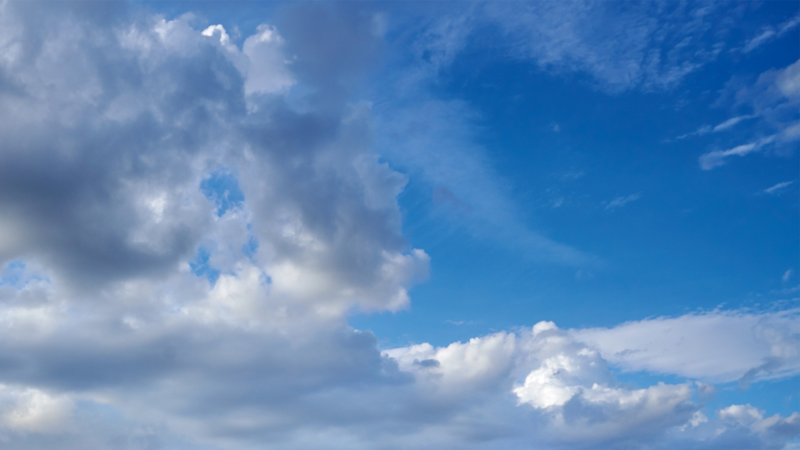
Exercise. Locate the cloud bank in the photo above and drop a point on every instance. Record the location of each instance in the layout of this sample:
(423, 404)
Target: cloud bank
(187, 224)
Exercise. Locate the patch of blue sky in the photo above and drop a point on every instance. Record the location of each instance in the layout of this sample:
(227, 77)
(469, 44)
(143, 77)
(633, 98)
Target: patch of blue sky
(250, 248)
(12, 273)
(200, 266)
(222, 188)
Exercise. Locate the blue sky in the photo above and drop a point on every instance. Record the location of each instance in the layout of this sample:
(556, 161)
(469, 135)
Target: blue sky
(606, 174)
(343, 225)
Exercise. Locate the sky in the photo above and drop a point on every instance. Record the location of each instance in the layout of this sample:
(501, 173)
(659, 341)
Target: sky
(241, 225)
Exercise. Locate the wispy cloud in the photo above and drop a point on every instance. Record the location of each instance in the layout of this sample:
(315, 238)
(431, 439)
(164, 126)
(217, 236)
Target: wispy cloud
(706, 129)
(731, 122)
(774, 190)
(623, 200)
(774, 98)
(786, 291)
(459, 322)
(771, 33)
(641, 46)
(717, 158)
(638, 47)
(463, 179)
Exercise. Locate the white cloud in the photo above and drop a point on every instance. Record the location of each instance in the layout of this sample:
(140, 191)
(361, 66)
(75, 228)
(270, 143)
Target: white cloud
(623, 200)
(566, 384)
(731, 122)
(747, 419)
(570, 389)
(776, 189)
(31, 410)
(459, 366)
(718, 346)
(135, 314)
(267, 71)
(726, 125)
(774, 97)
(771, 33)
(641, 47)
(718, 158)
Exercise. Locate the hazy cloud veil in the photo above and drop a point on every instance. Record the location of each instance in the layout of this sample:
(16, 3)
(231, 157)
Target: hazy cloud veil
(186, 222)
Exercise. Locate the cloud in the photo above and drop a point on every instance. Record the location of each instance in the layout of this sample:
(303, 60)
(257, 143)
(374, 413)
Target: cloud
(728, 124)
(571, 394)
(123, 148)
(644, 46)
(188, 225)
(774, 97)
(31, 410)
(771, 33)
(618, 202)
(731, 122)
(718, 158)
(778, 188)
(565, 387)
(435, 141)
(459, 322)
(745, 419)
(744, 345)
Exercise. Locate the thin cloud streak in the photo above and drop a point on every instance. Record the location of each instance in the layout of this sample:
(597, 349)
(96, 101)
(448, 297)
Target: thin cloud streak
(728, 124)
(621, 201)
(775, 190)
(770, 34)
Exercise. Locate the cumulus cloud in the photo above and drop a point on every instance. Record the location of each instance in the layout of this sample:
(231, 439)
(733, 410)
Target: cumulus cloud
(565, 387)
(569, 395)
(111, 134)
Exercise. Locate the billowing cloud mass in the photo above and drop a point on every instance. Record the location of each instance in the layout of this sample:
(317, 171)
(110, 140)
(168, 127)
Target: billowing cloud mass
(187, 222)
